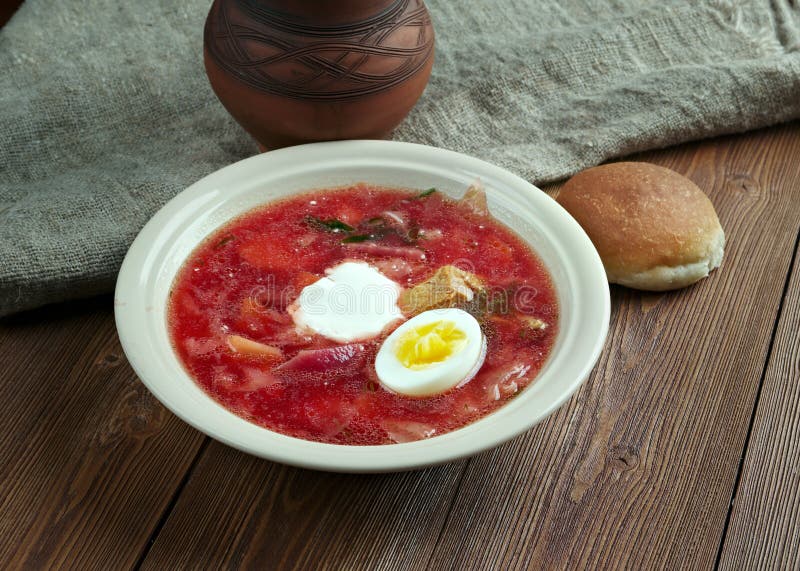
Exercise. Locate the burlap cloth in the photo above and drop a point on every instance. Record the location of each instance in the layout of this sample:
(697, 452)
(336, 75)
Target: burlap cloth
(106, 113)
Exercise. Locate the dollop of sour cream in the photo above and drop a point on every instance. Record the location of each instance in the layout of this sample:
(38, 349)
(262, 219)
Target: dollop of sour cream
(354, 301)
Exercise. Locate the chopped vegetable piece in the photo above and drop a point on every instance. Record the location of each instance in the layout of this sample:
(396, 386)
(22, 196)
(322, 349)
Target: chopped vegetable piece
(349, 214)
(250, 348)
(330, 225)
(434, 234)
(447, 287)
(425, 193)
(260, 320)
(328, 363)
(474, 199)
(534, 323)
(388, 251)
(394, 268)
(331, 417)
(490, 303)
(255, 379)
(396, 218)
(264, 253)
(356, 238)
(306, 239)
(304, 279)
(200, 346)
(400, 431)
(515, 372)
(227, 239)
(508, 381)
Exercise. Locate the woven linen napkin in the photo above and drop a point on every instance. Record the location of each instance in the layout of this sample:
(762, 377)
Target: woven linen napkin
(106, 113)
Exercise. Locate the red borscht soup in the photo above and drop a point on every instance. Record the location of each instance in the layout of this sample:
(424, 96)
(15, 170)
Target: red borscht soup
(364, 315)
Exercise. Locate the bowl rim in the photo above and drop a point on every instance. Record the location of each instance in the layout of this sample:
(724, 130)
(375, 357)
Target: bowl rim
(133, 311)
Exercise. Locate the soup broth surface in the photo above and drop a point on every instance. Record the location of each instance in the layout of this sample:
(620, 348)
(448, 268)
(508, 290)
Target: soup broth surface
(240, 284)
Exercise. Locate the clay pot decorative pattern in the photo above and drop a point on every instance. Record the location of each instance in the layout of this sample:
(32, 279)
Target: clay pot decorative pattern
(297, 71)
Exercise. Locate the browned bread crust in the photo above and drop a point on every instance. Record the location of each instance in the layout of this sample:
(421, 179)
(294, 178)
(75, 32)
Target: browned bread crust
(654, 228)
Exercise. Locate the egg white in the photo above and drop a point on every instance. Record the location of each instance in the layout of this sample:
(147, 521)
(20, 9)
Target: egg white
(455, 370)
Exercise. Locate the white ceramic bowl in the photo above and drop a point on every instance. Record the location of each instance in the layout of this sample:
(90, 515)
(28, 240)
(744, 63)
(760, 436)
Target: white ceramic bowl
(165, 242)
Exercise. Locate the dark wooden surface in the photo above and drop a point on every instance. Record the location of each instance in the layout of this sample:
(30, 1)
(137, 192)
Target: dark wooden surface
(681, 451)
(88, 458)
(764, 530)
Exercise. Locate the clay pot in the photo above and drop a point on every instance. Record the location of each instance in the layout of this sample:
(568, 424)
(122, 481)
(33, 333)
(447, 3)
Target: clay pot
(297, 71)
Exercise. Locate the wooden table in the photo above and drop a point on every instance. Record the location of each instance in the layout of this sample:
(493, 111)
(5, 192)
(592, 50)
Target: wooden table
(682, 450)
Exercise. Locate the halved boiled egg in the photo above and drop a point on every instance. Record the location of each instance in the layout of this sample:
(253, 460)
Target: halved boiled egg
(431, 353)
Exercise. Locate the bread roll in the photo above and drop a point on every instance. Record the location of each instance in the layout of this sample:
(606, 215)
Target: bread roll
(654, 228)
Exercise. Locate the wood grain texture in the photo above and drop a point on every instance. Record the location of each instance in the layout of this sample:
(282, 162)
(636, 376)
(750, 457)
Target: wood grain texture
(637, 470)
(241, 512)
(88, 458)
(764, 531)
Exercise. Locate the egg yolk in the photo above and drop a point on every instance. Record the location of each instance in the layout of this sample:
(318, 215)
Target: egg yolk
(429, 344)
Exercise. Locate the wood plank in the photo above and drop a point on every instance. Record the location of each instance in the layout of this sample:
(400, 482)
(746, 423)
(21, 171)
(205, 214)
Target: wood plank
(638, 468)
(637, 471)
(89, 460)
(764, 530)
(241, 512)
